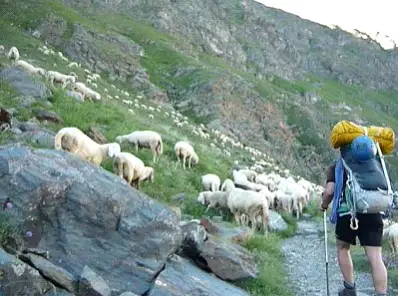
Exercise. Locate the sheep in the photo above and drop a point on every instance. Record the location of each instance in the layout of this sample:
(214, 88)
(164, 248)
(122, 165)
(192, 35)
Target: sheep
(249, 203)
(148, 174)
(73, 64)
(86, 91)
(74, 75)
(228, 185)
(75, 141)
(390, 231)
(144, 139)
(128, 167)
(250, 175)
(239, 178)
(186, 151)
(283, 201)
(13, 54)
(30, 68)
(270, 196)
(211, 182)
(212, 199)
(54, 76)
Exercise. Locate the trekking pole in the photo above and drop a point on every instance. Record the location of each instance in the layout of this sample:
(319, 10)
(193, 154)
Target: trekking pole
(326, 253)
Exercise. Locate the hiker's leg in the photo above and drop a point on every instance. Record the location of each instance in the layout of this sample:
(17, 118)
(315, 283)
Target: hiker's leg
(345, 237)
(379, 271)
(345, 262)
(371, 236)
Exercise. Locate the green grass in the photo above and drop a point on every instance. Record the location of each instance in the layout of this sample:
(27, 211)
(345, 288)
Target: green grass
(272, 279)
(10, 229)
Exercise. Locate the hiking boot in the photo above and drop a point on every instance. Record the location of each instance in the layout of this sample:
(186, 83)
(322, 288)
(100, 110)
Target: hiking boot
(348, 292)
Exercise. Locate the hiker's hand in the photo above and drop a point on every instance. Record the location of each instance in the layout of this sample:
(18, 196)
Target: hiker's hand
(323, 207)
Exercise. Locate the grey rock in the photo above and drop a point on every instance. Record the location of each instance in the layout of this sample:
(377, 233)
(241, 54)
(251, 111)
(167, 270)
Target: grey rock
(91, 284)
(194, 236)
(180, 278)
(42, 114)
(84, 215)
(227, 260)
(276, 222)
(128, 294)
(55, 273)
(41, 137)
(227, 231)
(24, 84)
(18, 278)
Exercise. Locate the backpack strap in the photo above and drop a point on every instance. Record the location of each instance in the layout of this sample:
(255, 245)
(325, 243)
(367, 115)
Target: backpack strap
(351, 198)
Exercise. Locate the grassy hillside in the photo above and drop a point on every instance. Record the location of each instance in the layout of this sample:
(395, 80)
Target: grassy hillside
(190, 77)
(174, 63)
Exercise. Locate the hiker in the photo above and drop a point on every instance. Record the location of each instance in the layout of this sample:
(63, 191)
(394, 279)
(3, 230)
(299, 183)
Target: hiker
(361, 155)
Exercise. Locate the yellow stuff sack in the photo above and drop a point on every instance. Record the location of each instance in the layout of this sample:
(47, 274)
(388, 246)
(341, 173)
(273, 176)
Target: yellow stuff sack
(344, 132)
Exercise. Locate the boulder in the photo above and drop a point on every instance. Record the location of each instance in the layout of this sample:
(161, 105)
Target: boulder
(52, 272)
(227, 230)
(24, 84)
(227, 260)
(276, 222)
(85, 215)
(91, 284)
(181, 278)
(18, 278)
(42, 115)
(96, 135)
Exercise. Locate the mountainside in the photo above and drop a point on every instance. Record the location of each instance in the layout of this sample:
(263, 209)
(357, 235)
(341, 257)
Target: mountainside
(274, 81)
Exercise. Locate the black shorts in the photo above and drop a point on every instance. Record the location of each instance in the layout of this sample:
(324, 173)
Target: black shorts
(369, 232)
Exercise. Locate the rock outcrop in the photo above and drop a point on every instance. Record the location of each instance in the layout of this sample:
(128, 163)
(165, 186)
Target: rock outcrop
(83, 231)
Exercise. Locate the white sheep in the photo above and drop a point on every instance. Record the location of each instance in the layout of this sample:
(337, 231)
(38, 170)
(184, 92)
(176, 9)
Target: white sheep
(13, 54)
(248, 203)
(212, 199)
(75, 141)
(73, 64)
(54, 76)
(130, 167)
(270, 196)
(211, 182)
(30, 68)
(186, 151)
(86, 91)
(250, 175)
(144, 139)
(390, 231)
(283, 201)
(148, 174)
(227, 185)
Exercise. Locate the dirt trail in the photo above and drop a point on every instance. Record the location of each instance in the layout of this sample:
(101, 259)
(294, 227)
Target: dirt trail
(305, 263)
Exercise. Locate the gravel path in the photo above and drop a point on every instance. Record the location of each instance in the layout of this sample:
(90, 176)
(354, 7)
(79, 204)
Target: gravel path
(305, 263)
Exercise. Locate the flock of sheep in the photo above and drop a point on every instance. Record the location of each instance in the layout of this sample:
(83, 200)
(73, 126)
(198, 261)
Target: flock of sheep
(250, 194)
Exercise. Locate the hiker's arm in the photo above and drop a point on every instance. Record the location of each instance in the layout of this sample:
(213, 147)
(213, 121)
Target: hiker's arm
(327, 195)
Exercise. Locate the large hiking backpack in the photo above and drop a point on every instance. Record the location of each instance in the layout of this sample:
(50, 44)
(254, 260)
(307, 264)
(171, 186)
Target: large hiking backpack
(368, 188)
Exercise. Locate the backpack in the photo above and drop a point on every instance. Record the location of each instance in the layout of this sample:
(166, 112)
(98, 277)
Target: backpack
(366, 201)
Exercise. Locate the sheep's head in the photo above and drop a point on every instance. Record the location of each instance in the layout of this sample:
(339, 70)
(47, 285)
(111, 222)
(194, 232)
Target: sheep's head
(151, 174)
(195, 160)
(119, 139)
(201, 198)
(42, 72)
(113, 149)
